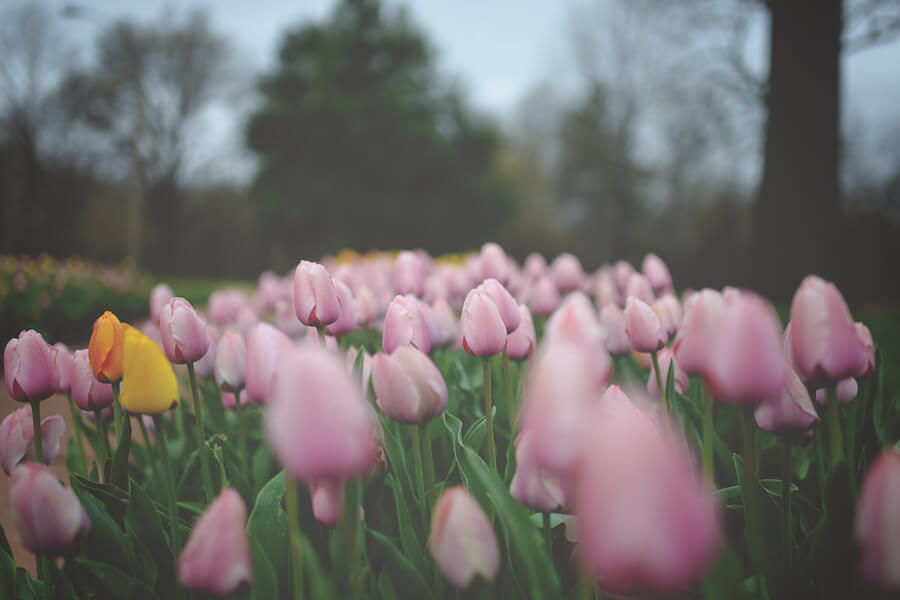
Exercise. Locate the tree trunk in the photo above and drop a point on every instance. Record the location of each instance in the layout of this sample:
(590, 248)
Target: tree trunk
(796, 215)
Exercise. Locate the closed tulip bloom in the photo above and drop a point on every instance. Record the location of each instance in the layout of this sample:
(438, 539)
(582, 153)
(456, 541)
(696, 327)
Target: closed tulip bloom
(544, 297)
(647, 522)
(409, 388)
(48, 518)
(576, 322)
(366, 307)
(231, 362)
(365, 375)
(790, 412)
(462, 541)
(865, 337)
(605, 289)
(505, 303)
(183, 332)
(206, 366)
(317, 422)
(532, 486)
(825, 343)
(435, 288)
(877, 528)
(64, 366)
(409, 274)
(746, 363)
(446, 321)
(315, 295)
(846, 391)
(681, 378)
(535, 266)
(225, 305)
(494, 264)
(230, 399)
(265, 347)
(483, 330)
(87, 392)
(17, 438)
(160, 295)
(567, 272)
(657, 273)
(694, 342)
(639, 287)
(105, 348)
(327, 499)
(520, 343)
(612, 322)
(216, 558)
(404, 324)
(149, 386)
(347, 320)
(668, 309)
(29, 367)
(643, 326)
(622, 272)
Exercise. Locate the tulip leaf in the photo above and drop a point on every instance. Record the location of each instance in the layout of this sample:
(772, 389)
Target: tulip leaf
(319, 584)
(408, 540)
(833, 549)
(386, 590)
(7, 576)
(477, 432)
(143, 523)
(73, 458)
(265, 580)
(724, 578)
(268, 522)
(406, 578)
(4, 543)
(112, 496)
(119, 470)
(105, 541)
(118, 583)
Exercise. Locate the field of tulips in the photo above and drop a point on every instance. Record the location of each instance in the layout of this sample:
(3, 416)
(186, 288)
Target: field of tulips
(398, 426)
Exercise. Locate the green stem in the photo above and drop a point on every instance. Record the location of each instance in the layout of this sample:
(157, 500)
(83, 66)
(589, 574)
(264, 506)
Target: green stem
(201, 435)
(146, 435)
(417, 463)
(242, 440)
(170, 484)
(489, 418)
(39, 567)
(835, 435)
(117, 414)
(38, 439)
(79, 434)
(820, 460)
(349, 537)
(750, 489)
(709, 457)
(294, 534)
(659, 384)
(103, 446)
(428, 462)
(548, 537)
(786, 499)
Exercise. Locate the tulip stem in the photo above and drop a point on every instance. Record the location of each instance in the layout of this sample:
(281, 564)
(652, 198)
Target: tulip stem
(417, 466)
(117, 414)
(659, 384)
(548, 533)
(146, 436)
(294, 534)
(510, 406)
(348, 530)
(201, 434)
(170, 484)
(750, 490)
(835, 435)
(820, 461)
(79, 435)
(489, 418)
(786, 499)
(242, 440)
(103, 446)
(429, 465)
(36, 422)
(709, 456)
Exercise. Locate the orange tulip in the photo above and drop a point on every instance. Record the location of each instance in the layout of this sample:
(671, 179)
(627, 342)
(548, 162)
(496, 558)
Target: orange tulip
(105, 348)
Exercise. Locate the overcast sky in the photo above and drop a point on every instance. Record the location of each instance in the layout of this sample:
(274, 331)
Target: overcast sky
(499, 49)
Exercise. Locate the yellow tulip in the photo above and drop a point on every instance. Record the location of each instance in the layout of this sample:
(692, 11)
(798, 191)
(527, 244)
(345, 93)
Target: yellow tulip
(105, 348)
(149, 386)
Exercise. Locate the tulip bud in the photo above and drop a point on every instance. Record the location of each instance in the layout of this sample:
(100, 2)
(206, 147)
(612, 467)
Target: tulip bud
(746, 363)
(483, 330)
(206, 366)
(149, 386)
(365, 307)
(846, 391)
(865, 338)
(699, 328)
(48, 518)
(230, 399)
(231, 362)
(612, 322)
(532, 486)
(505, 303)
(665, 361)
(265, 346)
(668, 309)
(317, 421)
(535, 266)
(790, 412)
(462, 541)
(409, 274)
(225, 305)
(183, 332)
(544, 297)
(639, 287)
(520, 343)
(622, 272)
(643, 326)
(647, 523)
(327, 501)
(877, 528)
(657, 273)
(64, 367)
(315, 296)
(29, 367)
(347, 320)
(408, 386)
(105, 348)
(446, 322)
(160, 295)
(825, 344)
(567, 273)
(605, 289)
(494, 264)
(576, 323)
(404, 324)
(87, 392)
(216, 558)
(17, 438)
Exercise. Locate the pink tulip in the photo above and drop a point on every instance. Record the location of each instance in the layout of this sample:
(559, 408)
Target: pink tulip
(216, 558)
(206, 366)
(435, 288)
(865, 337)
(446, 322)
(483, 330)
(520, 343)
(647, 523)
(846, 391)
(17, 438)
(315, 296)
(183, 332)
(462, 541)
(327, 501)
(160, 295)
(409, 274)
(567, 273)
(229, 399)
(681, 378)
(612, 322)
(48, 518)
(352, 354)
(668, 309)
(317, 421)
(639, 287)
(265, 346)
(409, 388)
(347, 320)
(505, 303)
(605, 290)
(494, 264)
(790, 412)
(622, 272)
(699, 328)
(746, 363)
(532, 486)
(877, 528)
(88, 393)
(535, 266)
(64, 367)
(29, 367)
(657, 273)
(366, 309)
(404, 324)
(544, 297)
(643, 326)
(224, 305)
(231, 362)
(575, 322)
(825, 343)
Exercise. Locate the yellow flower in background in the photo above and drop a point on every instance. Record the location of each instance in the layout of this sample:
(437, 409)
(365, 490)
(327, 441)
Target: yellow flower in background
(105, 348)
(149, 386)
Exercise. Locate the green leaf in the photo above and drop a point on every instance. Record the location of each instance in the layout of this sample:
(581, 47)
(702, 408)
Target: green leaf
(724, 579)
(118, 583)
(265, 580)
(4, 543)
(119, 470)
(7, 576)
(142, 522)
(408, 539)
(406, 578)
(833, 549)
(105, 541)
(268, 522)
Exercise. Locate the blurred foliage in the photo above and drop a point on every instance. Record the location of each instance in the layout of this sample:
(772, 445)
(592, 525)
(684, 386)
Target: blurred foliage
(362, 144)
